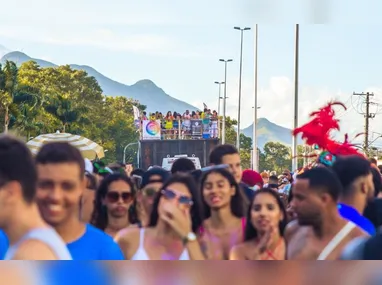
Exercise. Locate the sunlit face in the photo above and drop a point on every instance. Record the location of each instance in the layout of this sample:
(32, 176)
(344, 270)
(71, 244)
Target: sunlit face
(176, 194)
(217, 191)
(265, 212)
(59, 190)
(118, 199)
(287, 175)
(306, 203)
(234, 162)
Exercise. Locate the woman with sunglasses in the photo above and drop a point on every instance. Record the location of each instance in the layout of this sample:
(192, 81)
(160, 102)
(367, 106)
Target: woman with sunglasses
(174, 222)
(225, 209)
(114, 204)
(266, 221)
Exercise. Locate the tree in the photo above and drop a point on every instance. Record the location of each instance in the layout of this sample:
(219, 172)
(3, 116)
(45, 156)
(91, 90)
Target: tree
(264, 163)
(14, 95)
(118, 128)
(230, 132)
(278, 156)
(44, 100)
(8, 90)
(245, 151)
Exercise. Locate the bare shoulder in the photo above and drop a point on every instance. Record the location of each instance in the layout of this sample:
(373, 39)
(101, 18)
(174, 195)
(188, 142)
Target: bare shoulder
(34, 250)
(291, 229)
(127, 234)
(128, 241)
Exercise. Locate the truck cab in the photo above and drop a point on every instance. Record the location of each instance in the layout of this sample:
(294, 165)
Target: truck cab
(168, 161)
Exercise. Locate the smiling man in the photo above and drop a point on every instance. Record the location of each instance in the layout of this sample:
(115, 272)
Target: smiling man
(61, 184)
(29, 237)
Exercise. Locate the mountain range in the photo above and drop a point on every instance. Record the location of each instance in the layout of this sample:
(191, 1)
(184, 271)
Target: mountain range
(3, 51)
(149, 94)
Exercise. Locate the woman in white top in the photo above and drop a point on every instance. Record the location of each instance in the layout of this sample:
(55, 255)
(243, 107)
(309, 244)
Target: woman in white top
(175, 220)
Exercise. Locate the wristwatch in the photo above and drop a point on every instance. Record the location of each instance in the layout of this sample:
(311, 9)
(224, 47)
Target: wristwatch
(189, 238)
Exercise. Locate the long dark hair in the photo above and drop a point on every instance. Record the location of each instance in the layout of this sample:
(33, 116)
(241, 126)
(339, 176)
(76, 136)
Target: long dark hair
(99, 217)
(250, 231)
(196, 210)
(238, 201)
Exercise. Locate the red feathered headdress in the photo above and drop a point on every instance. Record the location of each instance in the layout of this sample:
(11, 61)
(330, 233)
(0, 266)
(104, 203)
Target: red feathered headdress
(317, 132)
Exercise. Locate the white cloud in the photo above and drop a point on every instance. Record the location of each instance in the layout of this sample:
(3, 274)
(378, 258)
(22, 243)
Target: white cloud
(120, 12)
(106, 39)
(277, 104)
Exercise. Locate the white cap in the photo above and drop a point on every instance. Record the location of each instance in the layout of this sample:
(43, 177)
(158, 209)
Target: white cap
(89, 166)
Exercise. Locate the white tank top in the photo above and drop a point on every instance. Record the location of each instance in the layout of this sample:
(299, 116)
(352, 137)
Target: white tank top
(141, 254)
(337, 239)
(46, 235)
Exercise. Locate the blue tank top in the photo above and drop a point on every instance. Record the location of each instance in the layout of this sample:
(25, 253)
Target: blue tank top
(47, 236)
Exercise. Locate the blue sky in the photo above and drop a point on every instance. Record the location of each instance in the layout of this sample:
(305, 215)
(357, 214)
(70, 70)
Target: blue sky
(177, 44)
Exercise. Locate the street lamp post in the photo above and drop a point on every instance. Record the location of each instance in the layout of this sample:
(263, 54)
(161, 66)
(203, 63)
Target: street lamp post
(255, 155)
(240, 76)
(255, 160)
(220, 97)
(295, 142)
(225, 97)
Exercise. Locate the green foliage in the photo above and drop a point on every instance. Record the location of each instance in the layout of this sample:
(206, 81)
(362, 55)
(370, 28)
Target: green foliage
(278, 155)
(37, 100)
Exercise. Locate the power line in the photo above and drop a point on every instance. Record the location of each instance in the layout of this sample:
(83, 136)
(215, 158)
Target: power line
(367, 116)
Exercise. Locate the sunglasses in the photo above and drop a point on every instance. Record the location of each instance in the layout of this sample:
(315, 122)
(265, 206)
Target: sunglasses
(171, 195)
(150, 192)
(113, 197)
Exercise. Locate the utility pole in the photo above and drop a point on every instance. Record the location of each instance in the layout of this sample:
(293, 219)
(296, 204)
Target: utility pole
(367, 116)
(255, 153)
(220, 97)
(296, 78)
(241, 71)
(225, 97)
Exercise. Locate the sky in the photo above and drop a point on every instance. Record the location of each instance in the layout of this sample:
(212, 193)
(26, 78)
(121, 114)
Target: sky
(178, 44)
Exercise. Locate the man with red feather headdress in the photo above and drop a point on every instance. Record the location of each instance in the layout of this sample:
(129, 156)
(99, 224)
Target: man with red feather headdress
(322, 231)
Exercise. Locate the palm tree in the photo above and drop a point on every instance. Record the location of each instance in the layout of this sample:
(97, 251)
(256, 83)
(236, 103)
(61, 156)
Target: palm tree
(27, 121)
(8, 87)
(13, 95)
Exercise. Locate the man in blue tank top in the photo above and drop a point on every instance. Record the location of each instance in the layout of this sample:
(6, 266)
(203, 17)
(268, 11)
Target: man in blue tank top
(29, 237)
(356, 178)
(61, 184)
(4, 244)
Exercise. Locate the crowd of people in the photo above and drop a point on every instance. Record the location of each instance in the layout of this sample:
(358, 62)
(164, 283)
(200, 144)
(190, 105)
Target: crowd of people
(180, 126)
(58, 206)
